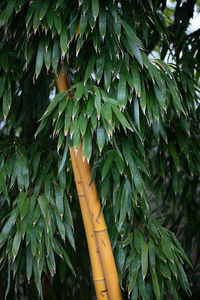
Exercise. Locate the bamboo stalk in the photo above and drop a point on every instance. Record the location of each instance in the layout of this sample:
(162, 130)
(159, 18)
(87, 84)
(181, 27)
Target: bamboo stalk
(98, 221)
(97, 271)
(100, 228)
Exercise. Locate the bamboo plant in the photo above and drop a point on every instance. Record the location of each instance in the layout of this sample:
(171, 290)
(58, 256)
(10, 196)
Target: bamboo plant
(130, 116)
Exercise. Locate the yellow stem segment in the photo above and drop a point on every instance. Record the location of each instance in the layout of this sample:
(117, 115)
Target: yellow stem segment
(97, 271)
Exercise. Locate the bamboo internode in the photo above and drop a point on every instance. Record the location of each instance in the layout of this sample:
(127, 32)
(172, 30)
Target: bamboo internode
(93, 221)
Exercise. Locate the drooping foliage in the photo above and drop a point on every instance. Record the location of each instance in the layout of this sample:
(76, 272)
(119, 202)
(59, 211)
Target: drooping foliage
(137, 117)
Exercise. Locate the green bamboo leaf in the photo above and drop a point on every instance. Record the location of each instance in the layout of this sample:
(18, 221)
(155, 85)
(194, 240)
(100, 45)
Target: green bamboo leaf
(64, 40)
(152, 254)
(137, 112)
(59, 200)
(119, 163)
(156, 287)
(141, 285)
(43, 10)
(39, 57)
(121, 118)
(44, 209)
(107, 164)
(167, 250)
(83, 23)
(178, 245)
(57, 21)
(164, 269)
(68, 116)
(176, 99)
(47, 58)
(124, 202)
(36, 215)
(90, 67)
(102, 22)
(107, 74)
(36, 164)
(116, 175)
(97, 101)
(7, 228)
(68, 211)
(107, 112)
(59, 3)
(49, 14)
(70, 235)
(77, 137)
(95, 8)
(29, 262)
(55, 54)
(134, 293)
(144, 260)
(136, 78)
(100, 62)
(7, 100)
(36, 17)
(86, 4)
(160, 97)
(16, 243)
(64, 157)
(58, 98)
(4, 61)
(79, 91)
(135, 50)
(90, 106)
(34, 244)
(138, 240)
(67, 260)
(100, 138)
(24, 208)
(172, 150)
(183, 279)
(121, 92)
(87, 145)
(131, 34)
(7, 12)
(2, 85)
(61, 226)
(3, 188)
(29, 14)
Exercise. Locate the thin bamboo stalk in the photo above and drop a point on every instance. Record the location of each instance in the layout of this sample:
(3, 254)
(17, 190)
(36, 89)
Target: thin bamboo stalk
(97, 271)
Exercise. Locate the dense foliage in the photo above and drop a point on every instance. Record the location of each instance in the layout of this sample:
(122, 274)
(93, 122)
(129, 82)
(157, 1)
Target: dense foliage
(137, 117)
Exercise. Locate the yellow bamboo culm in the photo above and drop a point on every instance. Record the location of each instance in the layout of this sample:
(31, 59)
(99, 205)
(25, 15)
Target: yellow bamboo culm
(99, 225)
(97, 270)
(100, 228)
